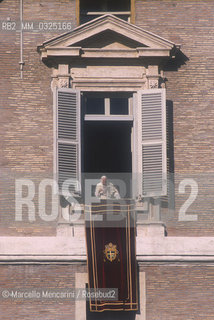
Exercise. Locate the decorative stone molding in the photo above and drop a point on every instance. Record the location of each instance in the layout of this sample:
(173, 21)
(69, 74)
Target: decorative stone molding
(61, 77)
(77, 43)
(106, 54)
(151, 229)
(117, 39)
(154, 248)
(153, 83)
(62, 82)
(153, 77)
(107, 84)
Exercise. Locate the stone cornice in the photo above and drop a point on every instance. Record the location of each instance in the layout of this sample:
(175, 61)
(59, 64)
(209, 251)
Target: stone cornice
(108, 22)
(72, 44)
(71, 249)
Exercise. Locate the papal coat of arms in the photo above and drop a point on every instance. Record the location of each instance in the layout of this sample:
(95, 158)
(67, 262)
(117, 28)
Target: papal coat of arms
(111, 252)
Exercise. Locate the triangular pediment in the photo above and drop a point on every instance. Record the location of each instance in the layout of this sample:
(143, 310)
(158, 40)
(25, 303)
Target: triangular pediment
(109, 39)
(107, 33)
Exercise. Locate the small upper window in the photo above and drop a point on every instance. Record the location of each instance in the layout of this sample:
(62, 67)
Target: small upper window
(92, 9)
(108, 104)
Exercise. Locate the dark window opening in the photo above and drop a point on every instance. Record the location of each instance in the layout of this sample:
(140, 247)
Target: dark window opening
(107, 151)
(104, 5)
(94, 105)
(107, 147)
(107, 104)
(119, 106)
(93, 8)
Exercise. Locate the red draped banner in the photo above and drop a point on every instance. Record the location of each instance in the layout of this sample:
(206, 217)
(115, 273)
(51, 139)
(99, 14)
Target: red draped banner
(111, 253)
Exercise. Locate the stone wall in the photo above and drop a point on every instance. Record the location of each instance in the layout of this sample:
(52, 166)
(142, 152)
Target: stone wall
(179, 292)
(38, 278)
(190, 98)
(26, 122)
(174, 292)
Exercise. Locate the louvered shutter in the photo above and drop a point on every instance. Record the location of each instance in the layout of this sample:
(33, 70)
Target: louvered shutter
(150, 143)
(68, 139)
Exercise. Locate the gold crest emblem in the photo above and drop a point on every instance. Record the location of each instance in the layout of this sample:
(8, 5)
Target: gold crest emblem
(111, 252)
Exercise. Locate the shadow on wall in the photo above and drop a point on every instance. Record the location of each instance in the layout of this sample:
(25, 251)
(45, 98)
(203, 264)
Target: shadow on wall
(169, 200)
(171, 65)
(174, 64)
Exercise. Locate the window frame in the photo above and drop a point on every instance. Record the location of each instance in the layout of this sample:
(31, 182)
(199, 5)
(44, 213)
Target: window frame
(107, 116)
(132, 12)
(137, 144)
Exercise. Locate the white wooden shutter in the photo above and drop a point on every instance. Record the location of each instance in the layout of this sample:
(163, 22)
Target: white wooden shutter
(68, 138)
(150, 143)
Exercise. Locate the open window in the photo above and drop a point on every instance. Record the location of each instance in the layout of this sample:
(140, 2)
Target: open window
(119, 135)
(92, 9)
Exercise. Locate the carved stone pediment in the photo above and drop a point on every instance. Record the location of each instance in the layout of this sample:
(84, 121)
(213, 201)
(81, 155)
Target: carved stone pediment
(107, 37)
(106, 53)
